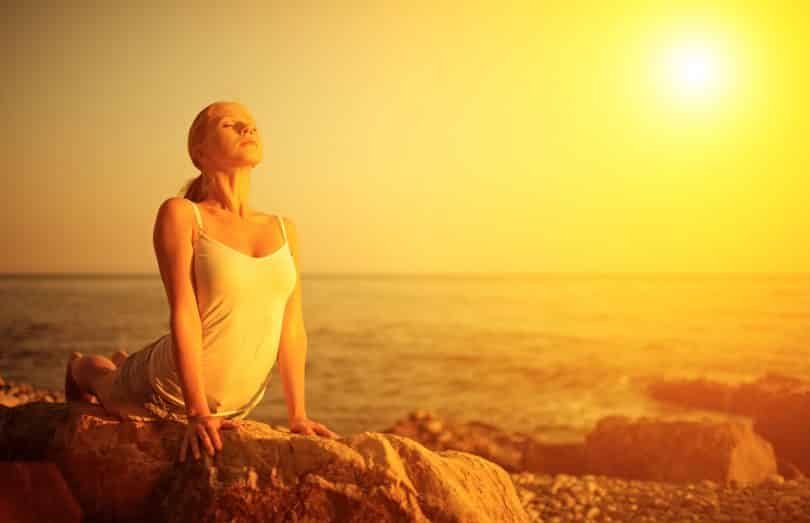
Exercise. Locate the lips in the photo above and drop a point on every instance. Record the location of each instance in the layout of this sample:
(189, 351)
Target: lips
(247, 142)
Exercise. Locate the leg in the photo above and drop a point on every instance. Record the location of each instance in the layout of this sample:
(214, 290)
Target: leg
(84, 375)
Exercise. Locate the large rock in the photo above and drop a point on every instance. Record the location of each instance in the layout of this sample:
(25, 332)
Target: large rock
(554, 458)
(475, 437)
(779, 405)
(679, 451)
(127, 471)
(35, 491)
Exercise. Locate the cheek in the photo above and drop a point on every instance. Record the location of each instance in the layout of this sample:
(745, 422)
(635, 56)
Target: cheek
(224, 142)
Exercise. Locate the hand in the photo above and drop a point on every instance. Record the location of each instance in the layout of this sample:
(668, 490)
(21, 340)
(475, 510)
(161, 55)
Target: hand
(303, 425)
(205, 429)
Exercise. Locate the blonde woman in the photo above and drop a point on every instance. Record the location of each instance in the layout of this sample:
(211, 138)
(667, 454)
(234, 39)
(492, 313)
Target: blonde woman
(234, 291)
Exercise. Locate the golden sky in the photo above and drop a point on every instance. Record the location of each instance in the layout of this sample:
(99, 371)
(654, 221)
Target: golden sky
(406, 137)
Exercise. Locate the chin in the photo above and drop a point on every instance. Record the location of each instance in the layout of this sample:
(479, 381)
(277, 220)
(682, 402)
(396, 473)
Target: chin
(250, 159)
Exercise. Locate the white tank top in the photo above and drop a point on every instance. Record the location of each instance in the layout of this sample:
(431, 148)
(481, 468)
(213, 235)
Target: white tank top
(241, 299)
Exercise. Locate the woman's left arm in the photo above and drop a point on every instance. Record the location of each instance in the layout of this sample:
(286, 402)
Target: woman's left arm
(292, 352)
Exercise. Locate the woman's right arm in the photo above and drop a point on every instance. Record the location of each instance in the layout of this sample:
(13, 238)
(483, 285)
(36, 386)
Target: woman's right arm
(173, 246)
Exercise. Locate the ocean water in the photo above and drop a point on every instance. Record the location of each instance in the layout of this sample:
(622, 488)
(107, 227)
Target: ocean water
(538, 353)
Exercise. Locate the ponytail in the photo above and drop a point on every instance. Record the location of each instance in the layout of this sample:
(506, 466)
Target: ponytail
(194, 189)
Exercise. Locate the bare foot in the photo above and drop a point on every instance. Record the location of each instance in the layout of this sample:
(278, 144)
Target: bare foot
(72, 390)
(118, 357)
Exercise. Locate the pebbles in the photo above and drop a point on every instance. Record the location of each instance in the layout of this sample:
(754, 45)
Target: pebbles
(562, 498)
(13, 393)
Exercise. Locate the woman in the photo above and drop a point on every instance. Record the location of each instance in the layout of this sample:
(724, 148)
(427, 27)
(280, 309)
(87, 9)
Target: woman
(232, 281)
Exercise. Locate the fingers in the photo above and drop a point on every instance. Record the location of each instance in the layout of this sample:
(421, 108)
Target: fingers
(215, 439)
(195, 445)
(183, 447)
(202, 432)
(312, 428)
(206, 432)
(320, 429)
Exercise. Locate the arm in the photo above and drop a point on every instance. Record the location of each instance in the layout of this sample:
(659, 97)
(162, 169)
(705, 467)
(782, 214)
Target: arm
(292, 351)
(173, 247)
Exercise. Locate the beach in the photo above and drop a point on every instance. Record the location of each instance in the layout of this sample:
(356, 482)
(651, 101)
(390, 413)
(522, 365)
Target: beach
(562, 497)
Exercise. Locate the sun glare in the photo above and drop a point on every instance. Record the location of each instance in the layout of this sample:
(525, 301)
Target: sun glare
(695, 71)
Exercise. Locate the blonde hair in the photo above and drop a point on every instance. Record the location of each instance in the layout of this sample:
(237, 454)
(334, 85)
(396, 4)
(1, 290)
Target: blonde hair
(195, 189)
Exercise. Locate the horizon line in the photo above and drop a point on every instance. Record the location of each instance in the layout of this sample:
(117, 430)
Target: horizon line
(325, 274)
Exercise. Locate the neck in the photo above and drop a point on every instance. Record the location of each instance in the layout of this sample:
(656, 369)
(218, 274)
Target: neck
(228, 190)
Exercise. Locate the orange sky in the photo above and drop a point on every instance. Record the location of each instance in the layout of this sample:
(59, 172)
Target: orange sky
(402, 137)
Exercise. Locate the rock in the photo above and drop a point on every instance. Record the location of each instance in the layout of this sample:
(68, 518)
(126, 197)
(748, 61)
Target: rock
(9, 401)
(697, 394)
(553, 458)
(776, 479)
(27, 430)
(501, 447)
(127, 470)
(785, 425)
(678, 451)
(775, 402)
(788, 470)
(23, 482)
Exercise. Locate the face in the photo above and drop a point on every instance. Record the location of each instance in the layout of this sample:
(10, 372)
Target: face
(232, 138)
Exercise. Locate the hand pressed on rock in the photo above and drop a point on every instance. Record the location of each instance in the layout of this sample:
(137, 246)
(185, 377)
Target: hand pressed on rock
(205, 429)
(304, 425)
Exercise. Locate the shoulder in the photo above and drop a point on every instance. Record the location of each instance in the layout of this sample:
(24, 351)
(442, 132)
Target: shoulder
(174, 205)
(175, 218)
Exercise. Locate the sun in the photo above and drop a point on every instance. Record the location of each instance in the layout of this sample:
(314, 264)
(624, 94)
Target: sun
(695, 71)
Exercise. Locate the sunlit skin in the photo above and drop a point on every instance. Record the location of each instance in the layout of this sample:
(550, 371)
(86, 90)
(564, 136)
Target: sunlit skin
(227, 158)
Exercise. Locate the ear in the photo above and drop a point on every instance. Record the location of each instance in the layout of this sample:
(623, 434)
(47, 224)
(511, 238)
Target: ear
(197, 153)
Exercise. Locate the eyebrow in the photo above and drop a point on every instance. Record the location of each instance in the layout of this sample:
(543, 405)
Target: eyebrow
(234, 118)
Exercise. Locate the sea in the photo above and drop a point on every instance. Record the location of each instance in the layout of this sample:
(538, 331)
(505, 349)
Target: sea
(547, 354)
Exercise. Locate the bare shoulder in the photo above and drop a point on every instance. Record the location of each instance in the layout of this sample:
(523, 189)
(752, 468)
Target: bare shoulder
(173, 220)
(173, 206)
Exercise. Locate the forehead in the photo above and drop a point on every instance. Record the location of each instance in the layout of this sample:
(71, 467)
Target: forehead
(230, 111)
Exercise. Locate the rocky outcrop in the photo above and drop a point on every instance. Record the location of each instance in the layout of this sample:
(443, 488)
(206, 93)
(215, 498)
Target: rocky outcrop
(779, 406)
(128, 471)
(514, 452)
(482, 439)
(644, 449)
(752, 399)
(42, 489)
(679, 451)
(554, 458)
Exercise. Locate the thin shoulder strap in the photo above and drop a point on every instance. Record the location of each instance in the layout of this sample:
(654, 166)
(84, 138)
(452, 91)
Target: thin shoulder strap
(197, 213)
(283, 230)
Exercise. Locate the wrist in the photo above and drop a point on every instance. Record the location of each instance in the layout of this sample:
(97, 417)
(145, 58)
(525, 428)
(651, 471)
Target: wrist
(195, 412)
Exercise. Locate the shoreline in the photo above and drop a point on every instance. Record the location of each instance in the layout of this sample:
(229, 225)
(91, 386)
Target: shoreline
(563, 497)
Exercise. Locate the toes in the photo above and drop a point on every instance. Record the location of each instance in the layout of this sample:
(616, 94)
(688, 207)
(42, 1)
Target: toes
(118, 357)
